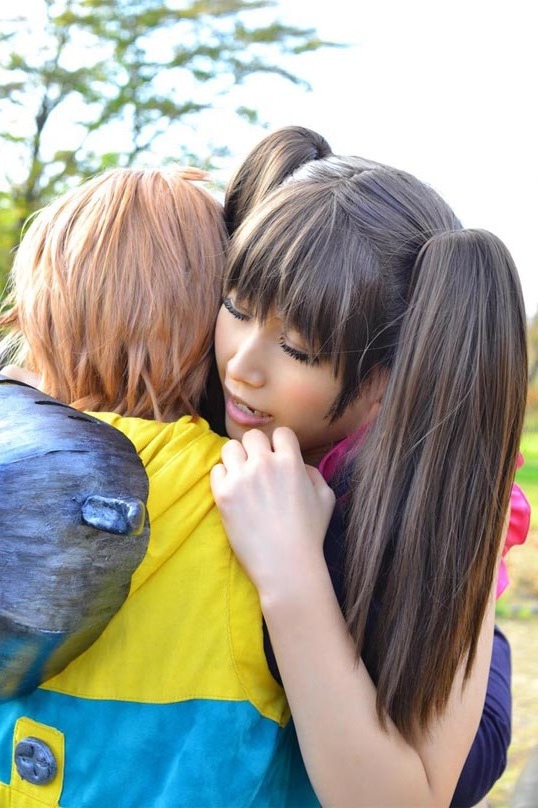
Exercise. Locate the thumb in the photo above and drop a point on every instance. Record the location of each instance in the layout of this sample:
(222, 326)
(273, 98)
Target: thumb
(319, 484)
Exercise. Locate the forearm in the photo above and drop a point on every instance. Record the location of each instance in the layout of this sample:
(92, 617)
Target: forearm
(350, 758)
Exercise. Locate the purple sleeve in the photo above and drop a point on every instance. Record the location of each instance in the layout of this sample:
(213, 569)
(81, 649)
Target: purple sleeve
(487, 758)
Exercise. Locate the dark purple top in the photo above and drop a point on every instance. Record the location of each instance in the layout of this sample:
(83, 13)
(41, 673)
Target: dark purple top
(487, 758)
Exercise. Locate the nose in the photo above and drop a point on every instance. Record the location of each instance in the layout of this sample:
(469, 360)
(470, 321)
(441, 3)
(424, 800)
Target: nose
(247, 364)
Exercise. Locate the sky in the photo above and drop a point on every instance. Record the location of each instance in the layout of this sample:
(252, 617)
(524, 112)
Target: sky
(446, 90)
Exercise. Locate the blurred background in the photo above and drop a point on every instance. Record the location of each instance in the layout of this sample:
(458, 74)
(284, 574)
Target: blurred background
(441, 89)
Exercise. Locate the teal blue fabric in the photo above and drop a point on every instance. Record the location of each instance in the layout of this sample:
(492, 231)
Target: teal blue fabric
(115, 749)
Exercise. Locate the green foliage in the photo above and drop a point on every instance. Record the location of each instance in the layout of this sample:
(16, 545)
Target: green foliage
(527, 475)
(127, 74)
(9, 216)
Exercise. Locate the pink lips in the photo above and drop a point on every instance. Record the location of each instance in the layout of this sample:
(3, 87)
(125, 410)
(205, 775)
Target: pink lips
(244, 416)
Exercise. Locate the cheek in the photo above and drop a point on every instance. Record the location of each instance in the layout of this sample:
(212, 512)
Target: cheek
(311, 398)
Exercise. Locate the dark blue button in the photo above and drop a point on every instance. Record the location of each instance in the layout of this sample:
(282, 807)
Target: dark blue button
(35, 761)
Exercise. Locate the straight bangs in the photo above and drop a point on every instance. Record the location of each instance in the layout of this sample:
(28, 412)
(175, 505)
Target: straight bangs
(317, 273)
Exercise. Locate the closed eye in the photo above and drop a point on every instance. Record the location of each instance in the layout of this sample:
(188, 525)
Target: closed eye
(229, 306)
(300, 356)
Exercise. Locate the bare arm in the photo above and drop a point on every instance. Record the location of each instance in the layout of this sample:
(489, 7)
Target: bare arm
(276, 514)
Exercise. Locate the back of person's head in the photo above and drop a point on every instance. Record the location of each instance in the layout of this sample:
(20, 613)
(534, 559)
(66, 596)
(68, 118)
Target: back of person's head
(375, 271)
(267, 166)
(115, 289)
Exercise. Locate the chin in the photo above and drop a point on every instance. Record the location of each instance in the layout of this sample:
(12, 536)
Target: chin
(233, 430)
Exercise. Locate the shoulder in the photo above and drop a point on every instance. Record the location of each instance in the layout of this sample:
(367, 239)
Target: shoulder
(161, 442)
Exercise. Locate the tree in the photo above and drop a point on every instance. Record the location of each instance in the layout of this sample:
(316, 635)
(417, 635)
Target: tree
(89, 84)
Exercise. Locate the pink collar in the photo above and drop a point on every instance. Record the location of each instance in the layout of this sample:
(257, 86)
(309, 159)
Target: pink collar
(335, 457)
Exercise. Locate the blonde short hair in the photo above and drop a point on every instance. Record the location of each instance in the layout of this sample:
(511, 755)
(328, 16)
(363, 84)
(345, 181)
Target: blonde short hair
(115, 290)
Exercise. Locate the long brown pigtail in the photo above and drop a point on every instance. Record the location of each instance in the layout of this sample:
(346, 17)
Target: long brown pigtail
(432, 484)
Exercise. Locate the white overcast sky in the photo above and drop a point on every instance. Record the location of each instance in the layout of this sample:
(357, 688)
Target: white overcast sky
(447, 90)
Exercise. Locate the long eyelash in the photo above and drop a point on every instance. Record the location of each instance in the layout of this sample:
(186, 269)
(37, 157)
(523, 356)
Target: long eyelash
(300, 356)
(229, 306)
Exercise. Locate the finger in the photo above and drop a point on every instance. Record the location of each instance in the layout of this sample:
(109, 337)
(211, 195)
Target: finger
(256, 442)
(285, 440)
(316, 477)
(320, 484)
(233, 454)
(217, 476)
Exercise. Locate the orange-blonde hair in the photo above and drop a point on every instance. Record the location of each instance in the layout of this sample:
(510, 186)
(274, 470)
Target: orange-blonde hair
(114, 293)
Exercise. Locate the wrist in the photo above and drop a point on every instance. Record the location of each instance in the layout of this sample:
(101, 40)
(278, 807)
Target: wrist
(295, 587)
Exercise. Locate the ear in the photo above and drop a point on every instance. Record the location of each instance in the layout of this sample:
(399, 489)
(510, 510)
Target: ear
(377, 385)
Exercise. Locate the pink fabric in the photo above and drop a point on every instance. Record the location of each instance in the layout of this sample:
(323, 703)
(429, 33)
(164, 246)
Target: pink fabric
(334, 458)
(518, 527)
(520, 509)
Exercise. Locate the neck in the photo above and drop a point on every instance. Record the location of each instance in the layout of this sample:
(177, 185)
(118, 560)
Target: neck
(313, 457)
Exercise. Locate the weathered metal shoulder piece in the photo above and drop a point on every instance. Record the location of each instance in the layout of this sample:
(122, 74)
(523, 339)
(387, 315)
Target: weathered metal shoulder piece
(73, 528)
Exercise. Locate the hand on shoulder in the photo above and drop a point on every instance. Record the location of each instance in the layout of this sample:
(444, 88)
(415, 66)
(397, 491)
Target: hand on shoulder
(275, 509)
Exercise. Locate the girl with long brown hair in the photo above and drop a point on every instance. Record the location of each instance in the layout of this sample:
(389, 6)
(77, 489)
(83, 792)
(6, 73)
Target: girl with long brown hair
(360, 273)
